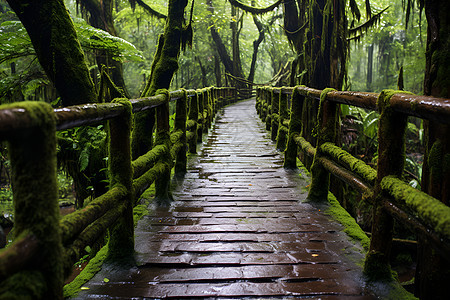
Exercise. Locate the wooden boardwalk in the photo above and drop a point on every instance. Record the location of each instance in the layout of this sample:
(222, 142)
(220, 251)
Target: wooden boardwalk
(239, 228)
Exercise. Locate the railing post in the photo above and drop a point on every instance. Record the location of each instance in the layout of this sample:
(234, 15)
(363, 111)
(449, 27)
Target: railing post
(32, 153)
(121, 243)
(269, 92)
(295, 129)
(180, 124)
(209, 107)
(432, 271)
(326, 132)
(275, 116)
(283, 115)
(201, 120)
(258, 102)
(162, 194)
(391, 161)
(192, 123)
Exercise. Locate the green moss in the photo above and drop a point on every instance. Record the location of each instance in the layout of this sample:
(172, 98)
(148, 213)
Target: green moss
(93, 267)
(351, 228)
(121, 243)
(377, 268)
(144, 162)
(435, 160)
(399, 292)
(25, 285)
(350, 162)
(430, 210)
(32, 153)
(326, 129)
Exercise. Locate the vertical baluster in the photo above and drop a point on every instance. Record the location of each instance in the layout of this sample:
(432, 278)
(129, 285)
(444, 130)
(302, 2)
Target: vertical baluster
(275, 116)
(121, 243)
(391, 161)
(295, 129)
(283, 113)
(180, 124)
(326, 132)
(201, 121)
(162, 194)
(32, 154)
(192, 122)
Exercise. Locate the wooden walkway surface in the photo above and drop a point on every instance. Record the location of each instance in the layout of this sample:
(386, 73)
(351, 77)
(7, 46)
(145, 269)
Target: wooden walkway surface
(239, 228)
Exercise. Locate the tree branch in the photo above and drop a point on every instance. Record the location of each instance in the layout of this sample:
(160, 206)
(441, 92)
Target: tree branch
(254, 10)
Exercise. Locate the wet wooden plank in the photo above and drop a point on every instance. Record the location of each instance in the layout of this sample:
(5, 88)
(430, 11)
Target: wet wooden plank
(238, 228)
(235, 289)
(236, 258)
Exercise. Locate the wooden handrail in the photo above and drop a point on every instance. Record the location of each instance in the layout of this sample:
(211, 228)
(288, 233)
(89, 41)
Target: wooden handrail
(114, 208)
(435, 222)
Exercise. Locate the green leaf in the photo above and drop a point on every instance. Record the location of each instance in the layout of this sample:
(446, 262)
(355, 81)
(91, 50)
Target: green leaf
(84, 159)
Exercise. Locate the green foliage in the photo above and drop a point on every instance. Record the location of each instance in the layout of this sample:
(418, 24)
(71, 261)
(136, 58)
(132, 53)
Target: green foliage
(394, 46)
(95, 39)
(15, 42)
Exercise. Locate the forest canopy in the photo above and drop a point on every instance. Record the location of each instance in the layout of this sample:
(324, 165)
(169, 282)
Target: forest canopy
(387, 46)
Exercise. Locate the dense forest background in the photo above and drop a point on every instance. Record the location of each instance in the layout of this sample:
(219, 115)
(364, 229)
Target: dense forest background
(374, 62)
(358, 45)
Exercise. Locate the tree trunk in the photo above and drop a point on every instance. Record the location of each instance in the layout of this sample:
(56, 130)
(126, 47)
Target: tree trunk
(433, 271)
(217, 71)
(256, 43)
(101, 17)
(56, 44)
(165, 64)
(369, 68)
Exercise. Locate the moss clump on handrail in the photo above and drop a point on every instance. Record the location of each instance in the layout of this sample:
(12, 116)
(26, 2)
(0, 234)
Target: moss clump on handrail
(74, 223)
(176, 147)
(305, 145)
(142, 183)
(146, 161)
(350, 162)
(90, 235)
(176, 135)
(430, 210)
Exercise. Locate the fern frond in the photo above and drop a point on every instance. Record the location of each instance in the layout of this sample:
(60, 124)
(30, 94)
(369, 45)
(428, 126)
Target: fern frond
(367, 25)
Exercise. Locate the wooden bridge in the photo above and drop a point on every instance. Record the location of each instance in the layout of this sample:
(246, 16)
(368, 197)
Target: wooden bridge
(239, 225)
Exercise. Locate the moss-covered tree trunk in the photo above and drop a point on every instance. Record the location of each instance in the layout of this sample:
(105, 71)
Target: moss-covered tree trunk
(165, 64)
(433, 271)
(101, 17)
(56, 44)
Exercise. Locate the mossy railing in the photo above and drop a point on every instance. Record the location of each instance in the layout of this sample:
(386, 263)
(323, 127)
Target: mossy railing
(384, 187)
(46, 246)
